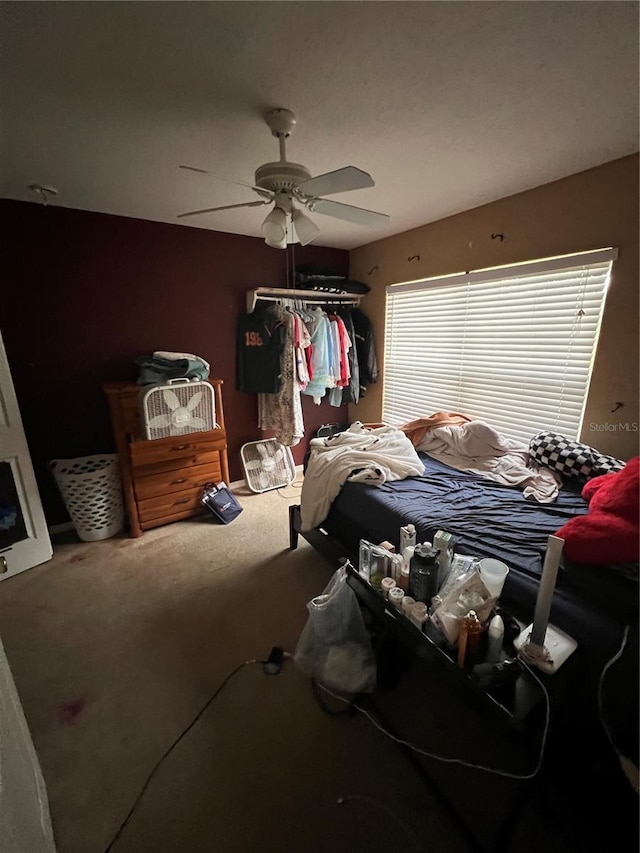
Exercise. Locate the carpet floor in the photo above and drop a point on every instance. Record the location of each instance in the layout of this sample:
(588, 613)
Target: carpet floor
(116, 645)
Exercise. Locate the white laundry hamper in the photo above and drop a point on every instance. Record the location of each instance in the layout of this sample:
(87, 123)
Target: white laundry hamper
(92, 493)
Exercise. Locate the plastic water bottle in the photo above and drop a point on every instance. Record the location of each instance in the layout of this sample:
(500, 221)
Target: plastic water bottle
(423, 577)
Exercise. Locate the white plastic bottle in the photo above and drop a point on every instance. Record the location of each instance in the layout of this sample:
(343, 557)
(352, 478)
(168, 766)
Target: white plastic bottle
(395, 565)
(495, 638)
(395, 597)
(407, 554)
(407, 537)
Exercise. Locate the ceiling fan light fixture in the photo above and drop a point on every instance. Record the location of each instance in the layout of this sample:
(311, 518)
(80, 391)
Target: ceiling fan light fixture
(274, 229)
(282, 244)
(305, 228)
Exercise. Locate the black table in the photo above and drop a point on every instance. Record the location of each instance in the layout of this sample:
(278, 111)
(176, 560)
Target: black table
(516, 709)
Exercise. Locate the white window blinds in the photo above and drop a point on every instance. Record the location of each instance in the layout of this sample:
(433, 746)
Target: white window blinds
(512, 346)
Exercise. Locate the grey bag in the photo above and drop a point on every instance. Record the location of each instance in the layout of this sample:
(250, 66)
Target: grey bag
(334, 647)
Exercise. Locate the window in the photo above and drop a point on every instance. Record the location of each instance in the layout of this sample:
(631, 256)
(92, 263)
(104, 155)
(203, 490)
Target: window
(512, 346)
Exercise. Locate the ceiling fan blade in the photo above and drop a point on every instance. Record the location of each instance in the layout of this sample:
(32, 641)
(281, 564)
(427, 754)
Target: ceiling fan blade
(224, 207)
(357, 215)
(222, 178)
(340, 181)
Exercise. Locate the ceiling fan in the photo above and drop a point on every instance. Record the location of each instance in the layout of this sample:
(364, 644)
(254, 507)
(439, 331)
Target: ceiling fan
(290, 187)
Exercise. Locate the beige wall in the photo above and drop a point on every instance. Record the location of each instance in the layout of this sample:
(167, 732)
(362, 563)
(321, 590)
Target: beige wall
(590, 210)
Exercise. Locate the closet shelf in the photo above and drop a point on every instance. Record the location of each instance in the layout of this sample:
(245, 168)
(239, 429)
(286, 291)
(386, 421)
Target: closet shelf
(311, 297)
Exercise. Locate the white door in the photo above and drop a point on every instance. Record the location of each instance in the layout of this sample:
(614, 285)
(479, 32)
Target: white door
(26, 822)
(24, 538)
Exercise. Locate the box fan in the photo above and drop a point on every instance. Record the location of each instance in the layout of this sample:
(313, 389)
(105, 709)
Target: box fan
(181, 406)
(267, 465)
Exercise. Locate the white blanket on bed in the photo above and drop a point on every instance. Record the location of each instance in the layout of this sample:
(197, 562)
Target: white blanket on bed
(371, 456)
(478, 448)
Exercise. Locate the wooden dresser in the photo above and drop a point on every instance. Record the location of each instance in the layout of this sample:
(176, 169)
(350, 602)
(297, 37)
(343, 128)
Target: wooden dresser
(163, 479)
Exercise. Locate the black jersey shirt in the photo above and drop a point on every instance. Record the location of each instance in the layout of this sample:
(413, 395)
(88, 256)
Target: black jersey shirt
(259, 346)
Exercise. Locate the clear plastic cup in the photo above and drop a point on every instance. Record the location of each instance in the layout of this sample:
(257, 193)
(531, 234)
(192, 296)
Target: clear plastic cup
(494, 574)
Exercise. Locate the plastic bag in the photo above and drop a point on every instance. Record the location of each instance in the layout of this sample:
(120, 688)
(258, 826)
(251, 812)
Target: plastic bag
(465, 594)
(334, 647)
(461, 567)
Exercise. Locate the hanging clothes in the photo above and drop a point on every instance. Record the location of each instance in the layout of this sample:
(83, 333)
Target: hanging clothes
(260, 341)
(341, 359)
(286, 352)
(301, 341)
(351, 394)
(365, 348)
(320, 356)
(282, 412)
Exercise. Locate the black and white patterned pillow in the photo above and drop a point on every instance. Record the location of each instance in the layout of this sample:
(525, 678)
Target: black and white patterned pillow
(571, 458)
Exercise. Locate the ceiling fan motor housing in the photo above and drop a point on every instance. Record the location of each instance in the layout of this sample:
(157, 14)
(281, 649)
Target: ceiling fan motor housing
(281, 121)
(280, 176)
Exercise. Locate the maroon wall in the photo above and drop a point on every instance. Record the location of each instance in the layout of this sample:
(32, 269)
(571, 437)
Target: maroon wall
(85, 293)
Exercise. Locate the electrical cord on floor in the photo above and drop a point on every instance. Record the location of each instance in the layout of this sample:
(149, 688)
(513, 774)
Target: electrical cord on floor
(316, 687)
(446, 760)
(219, 690)
(628, 768)
(296, 493)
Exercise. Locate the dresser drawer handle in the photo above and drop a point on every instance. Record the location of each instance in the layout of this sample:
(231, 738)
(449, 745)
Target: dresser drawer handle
(182, 501)
(181, 480)
(180, 447)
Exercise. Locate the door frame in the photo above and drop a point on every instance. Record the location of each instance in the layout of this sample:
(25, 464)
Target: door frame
(36, 548)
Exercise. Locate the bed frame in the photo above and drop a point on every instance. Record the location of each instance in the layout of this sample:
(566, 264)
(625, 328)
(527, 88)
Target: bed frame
(330, 548)
(335, 552)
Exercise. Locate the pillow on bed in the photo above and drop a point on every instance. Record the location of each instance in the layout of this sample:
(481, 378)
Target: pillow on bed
(571, 458)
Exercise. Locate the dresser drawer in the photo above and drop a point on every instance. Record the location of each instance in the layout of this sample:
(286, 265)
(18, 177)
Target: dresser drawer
(165, 505)
(178, 447)
(175, 516)
(179, 463)
(176, 481)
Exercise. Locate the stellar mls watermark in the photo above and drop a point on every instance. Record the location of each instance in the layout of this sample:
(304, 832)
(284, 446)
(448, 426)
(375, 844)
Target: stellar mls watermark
(617, 426)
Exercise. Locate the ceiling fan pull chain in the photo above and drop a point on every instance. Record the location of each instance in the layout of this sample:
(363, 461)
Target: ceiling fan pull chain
(293, 263)
(286, 275)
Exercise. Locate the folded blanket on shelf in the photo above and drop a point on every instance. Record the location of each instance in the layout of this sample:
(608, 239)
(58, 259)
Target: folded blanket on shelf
(372, 456)
(175, 356)
(477, 447)
(156, 370)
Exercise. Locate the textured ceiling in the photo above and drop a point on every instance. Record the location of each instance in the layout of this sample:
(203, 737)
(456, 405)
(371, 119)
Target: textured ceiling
(447, 104)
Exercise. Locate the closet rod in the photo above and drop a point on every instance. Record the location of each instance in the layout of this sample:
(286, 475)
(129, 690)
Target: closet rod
(313, 297)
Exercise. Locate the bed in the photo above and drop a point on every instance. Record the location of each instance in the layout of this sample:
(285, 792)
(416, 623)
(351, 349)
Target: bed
(591, 603)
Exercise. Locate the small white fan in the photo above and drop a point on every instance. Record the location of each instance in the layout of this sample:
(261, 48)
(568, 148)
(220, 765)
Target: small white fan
(267, 465)
(180, 407)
